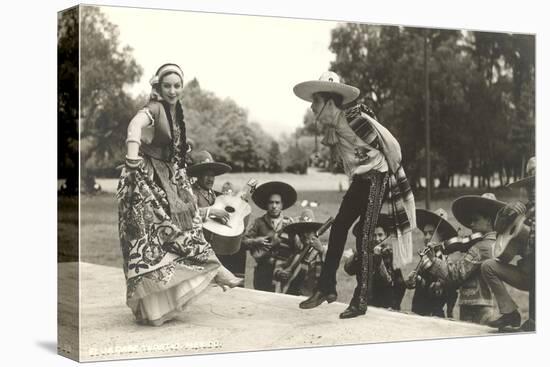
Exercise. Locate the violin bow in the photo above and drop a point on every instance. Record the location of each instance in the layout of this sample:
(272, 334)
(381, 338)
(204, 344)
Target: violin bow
(437, 226)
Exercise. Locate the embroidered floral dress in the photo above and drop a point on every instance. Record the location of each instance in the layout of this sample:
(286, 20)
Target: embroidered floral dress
(167, 261)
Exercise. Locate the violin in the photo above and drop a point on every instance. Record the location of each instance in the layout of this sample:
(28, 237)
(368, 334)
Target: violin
(458, 244)
(453, 244)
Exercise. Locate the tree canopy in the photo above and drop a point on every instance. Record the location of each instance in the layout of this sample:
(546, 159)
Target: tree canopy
(481, 89)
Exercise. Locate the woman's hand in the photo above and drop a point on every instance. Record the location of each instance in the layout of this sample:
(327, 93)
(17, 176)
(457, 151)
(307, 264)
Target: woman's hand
(131, 165)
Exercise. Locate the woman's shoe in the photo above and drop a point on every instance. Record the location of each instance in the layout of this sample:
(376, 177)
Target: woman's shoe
(225, 279)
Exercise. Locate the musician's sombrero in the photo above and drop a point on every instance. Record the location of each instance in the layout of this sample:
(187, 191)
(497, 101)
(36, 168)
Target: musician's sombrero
(530, 179)
(384, 221)
(328, 82)
(202, 162)
(445, 229)
(466, 206)
(304, 223)
(261, 195)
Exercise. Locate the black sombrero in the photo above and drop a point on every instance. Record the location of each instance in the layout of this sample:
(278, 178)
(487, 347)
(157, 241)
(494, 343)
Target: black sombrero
(437, 219)
(261, 195)
(305, 223)
(203, 162)
(466, 206)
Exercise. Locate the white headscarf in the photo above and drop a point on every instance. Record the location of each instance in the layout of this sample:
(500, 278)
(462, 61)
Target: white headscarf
(161, 72)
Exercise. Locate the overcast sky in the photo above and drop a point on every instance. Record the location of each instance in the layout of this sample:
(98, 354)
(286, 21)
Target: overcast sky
(256, 61)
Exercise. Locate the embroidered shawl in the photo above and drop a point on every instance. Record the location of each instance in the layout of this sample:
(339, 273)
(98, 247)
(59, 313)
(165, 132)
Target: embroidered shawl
(399, 203)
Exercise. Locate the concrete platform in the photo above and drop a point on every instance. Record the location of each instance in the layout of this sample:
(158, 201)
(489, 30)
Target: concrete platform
(237, 320)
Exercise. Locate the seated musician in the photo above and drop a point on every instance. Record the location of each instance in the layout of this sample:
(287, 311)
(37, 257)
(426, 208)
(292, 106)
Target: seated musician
(264, 238)
(388, 286)
(299, 275)
(477, 213)
(205, 170)
(431, 295)
(520, 276)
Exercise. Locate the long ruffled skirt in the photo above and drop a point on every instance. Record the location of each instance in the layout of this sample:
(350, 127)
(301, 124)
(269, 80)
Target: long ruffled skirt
(167, 261)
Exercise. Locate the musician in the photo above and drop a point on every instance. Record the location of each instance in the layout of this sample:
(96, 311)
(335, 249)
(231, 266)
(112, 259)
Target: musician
(371, 158)
(477, 213)
(388, 286)
(431, 295)
(264, 238)
(205, 170)
(522, 275)
(304, 266)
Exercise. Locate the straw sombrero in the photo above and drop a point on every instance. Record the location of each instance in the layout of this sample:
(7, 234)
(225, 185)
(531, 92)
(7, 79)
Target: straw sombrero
(384, 221)
(529, 180)
(328, 82)
(305, 223)
(466, 206)
(261, 195)
(437, 219)
(203, 162)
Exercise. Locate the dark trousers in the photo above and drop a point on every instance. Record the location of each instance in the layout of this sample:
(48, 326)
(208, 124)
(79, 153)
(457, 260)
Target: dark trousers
(362, 200)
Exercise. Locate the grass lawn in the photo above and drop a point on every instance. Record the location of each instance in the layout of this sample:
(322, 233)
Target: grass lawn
(99, 233)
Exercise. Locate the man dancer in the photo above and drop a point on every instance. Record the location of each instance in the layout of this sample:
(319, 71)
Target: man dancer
(371, 158)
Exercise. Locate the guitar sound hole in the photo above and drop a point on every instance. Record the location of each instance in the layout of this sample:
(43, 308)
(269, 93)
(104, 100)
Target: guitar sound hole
(230, 209)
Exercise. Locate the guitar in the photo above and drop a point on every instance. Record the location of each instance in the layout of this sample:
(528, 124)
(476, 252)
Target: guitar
(300, 259)
(512, 240)
(226, 238)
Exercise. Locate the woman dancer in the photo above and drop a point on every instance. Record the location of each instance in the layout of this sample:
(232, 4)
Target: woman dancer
(167, 261)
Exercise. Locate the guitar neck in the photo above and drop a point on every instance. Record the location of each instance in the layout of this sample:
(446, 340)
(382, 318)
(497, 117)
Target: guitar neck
(247, 191)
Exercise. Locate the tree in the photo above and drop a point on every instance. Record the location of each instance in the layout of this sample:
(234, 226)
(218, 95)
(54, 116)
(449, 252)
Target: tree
(274, 162)
(482, 96)
(106, 109)
(67, 96)
(222, 128)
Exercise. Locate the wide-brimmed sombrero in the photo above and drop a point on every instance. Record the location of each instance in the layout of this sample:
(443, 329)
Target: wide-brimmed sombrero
(328, 82)
(202, 162)
(261, 195)
(304, 223)
(530, 179)
(466, 206)
(437, 219)
(384, 221)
